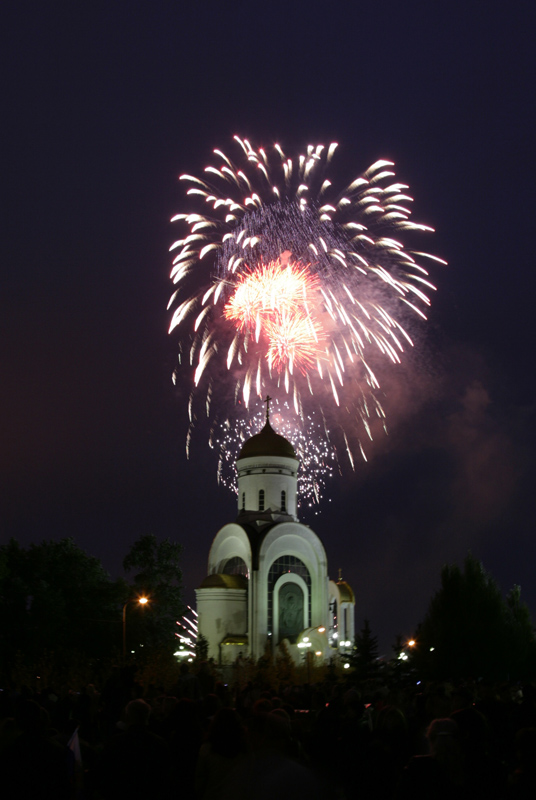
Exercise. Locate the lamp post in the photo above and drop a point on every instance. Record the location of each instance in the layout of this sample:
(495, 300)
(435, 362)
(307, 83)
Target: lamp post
(142, 601)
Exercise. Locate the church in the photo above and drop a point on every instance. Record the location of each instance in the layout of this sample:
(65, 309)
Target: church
(267, 579)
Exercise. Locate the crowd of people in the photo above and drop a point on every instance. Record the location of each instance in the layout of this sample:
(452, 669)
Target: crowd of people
(204, 739)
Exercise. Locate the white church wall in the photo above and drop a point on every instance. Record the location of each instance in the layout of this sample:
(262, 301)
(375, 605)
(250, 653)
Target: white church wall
(345, 622)
(349, 621)
(221, 613)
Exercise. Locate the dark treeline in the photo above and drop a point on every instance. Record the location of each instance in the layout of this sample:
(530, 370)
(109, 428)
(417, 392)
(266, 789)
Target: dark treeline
(59, 607)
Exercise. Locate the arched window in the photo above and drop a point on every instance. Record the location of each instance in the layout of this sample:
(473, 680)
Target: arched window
(235, 566)
(261, 499)
(284, 501)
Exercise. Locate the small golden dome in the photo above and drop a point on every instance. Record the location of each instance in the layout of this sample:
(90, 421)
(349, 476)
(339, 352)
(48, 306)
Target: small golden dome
(220, 581)
(346, 592)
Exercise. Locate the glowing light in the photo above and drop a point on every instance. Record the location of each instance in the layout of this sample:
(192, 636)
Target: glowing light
(286, 286)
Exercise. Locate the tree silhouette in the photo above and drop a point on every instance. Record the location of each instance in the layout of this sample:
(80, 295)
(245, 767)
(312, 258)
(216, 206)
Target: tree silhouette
(201, 647)
(158, 576)
(364, 655)
(470, 630)
(54, 597)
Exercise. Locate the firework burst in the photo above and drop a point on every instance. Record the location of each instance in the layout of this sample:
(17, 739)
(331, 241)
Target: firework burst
(277, 302)
(294, 287)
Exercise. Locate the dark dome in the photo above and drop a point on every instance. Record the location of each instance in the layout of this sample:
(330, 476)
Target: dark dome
(267, 443)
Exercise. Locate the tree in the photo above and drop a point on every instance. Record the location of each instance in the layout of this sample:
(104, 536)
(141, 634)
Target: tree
(470, 630)
(285, 667)
(55, 597)
(201, 647)
(398, 645)
(364, 655)
(159, 577)
(522, 644)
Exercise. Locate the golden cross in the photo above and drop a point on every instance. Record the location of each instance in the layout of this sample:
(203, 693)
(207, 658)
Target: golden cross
(267, 401)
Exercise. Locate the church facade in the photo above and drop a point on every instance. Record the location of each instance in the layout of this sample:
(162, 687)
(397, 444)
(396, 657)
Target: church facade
(267, 579)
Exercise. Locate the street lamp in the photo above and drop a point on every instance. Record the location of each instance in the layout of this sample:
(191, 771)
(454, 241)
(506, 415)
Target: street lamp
(142, 601)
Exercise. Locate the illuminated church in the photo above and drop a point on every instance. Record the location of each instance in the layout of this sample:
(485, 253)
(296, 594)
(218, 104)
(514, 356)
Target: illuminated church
(267, 579)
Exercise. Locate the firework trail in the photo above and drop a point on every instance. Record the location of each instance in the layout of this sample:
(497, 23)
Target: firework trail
(188, 634)
(289, 286)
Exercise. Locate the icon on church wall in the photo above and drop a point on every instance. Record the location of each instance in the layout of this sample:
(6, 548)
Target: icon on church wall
(290, 611)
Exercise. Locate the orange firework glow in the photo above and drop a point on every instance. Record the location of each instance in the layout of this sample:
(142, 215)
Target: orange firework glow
(275, 301)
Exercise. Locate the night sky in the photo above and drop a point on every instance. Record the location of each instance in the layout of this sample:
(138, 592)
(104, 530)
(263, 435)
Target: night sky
(105, 104)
